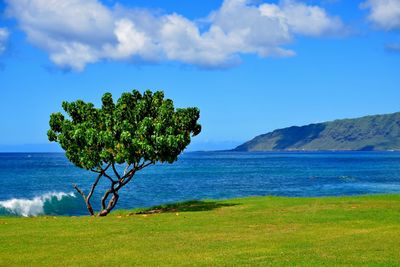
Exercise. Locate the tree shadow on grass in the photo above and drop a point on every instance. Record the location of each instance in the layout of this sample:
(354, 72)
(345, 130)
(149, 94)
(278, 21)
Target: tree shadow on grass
(187, 206)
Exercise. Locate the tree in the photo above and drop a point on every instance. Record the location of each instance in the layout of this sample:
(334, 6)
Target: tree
(138, 131)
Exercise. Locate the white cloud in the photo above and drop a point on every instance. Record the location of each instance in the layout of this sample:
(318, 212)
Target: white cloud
(385, 14)
(303, 19)
(245, 29)
(78, 32)
(4, 34)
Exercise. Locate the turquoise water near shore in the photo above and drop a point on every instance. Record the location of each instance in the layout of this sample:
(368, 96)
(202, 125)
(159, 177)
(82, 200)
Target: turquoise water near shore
(41, 183)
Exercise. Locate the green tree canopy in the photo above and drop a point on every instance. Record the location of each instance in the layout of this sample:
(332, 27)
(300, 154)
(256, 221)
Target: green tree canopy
(136, 131)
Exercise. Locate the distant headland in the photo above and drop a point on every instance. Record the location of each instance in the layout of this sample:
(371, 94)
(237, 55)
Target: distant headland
(369, 133)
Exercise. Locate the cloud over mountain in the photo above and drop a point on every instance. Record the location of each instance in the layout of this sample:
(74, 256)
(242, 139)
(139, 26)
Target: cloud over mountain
(77, 32)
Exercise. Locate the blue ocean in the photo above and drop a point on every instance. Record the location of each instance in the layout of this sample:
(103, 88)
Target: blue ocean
(41, 183)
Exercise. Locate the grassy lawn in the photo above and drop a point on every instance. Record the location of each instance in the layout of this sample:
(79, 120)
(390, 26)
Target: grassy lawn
(250, 231)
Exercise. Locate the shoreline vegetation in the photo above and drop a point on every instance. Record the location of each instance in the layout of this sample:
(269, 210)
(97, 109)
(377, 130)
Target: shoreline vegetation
(350, 230)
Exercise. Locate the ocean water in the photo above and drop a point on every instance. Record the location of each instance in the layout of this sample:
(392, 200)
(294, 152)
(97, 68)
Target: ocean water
(41, 183)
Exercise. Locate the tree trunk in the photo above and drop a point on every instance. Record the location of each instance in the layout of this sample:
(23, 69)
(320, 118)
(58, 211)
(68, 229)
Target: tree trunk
(116, 185)
(111, 204)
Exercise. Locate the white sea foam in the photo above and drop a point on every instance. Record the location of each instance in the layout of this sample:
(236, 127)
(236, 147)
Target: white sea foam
(32, 207)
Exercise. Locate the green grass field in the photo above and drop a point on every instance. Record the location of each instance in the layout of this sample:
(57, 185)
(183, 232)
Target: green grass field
(255, 231)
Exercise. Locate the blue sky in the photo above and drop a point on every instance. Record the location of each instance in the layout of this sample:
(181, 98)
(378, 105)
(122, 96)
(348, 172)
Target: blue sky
(250, 66)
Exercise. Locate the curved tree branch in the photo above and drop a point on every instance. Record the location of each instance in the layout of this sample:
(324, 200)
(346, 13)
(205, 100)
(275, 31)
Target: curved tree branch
(89, 196)
(144, 165)
(104, 199)
(89, 207)
(94, 170)
(109, 178)
(115, 171)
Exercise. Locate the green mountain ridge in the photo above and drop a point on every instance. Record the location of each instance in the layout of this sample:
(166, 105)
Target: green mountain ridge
(377, 132)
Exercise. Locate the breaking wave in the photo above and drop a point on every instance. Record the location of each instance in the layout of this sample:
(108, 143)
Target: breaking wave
(54, 203)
